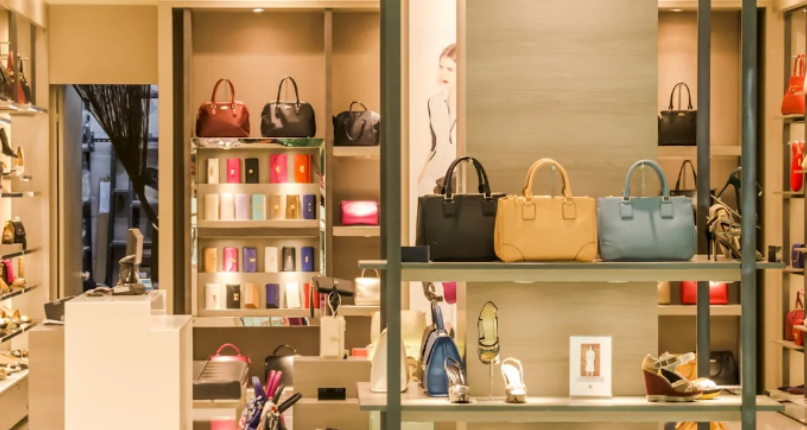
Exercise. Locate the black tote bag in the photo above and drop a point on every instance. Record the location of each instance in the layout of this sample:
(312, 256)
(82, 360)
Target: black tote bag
(356, 128)
(288, 119)
(459, 227)
(677, 127)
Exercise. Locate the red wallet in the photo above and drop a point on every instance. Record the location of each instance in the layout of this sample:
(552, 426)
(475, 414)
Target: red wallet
(277, 168)
(233, 170)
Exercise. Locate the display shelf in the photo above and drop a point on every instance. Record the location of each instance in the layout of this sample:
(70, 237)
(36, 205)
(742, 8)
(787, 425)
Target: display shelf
(284, 188)
(6, 335)
(697, 269)
(357, 151)
(229, 322)
(417, 407)
(253, 277)
(16, 293)
(357, 311)
(9, 251)
(12, 381)
(274, 228)
(691, 310)
(788, 344)
(246, 313)
(21, 178)
(691, 151)
(221, 143)
(20, 194)
(14, 108)
(789, 119)
(790, 194)
(793, 270)
(356, 231)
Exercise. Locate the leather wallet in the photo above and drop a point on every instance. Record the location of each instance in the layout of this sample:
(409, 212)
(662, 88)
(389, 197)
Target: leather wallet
(242, 207)
(289, 259)
(227, 208)
(230, 260)
(309, 206)
(293, 204)
(258, 207)
(307, 291)
(307, 257)
(276, 207)
(272, 296)
(270, 259)
(277, 165)
(250, 259)
(252, 175)
(214, 299)
(302, 168)
(291, 292)
(233, 296)
(212, 207)
(211, 260)
(212, 170)
(252, 296)
(233, 170)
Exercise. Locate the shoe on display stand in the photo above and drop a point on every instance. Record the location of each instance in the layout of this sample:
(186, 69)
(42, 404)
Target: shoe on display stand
(513, 374)
(659, 387)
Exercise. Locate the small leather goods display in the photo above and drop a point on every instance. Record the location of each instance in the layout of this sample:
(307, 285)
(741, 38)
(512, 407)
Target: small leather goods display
(646, 228)
(546, 228)
(272, 296)
(212, 207)
(307, 257)
(242, 207)
(233, 170)
(663, 292)
(796, 162)
(793, 316)
(332, 334)
(258, 207)
(252, 172)
(214, 297)
(302, 168)
(441, 347)
(723, 368)
(212, 170)
(14, 232)
(227, 207)
(309, 206)
(252, 296)
(211, 260)
(219, 358)
(459, 227)
(276, 207)
(368, 290)
(356, 128)
(292, 295)
(278, 165)
(793, 101)
(230, 260)
(288, 119)
(281, 363)
(359, 212)
(718, 293)
(250, 259)
(233, 296)
(293, 204)
(270, 261)
(797, 256)
(289, 259)
(676, 126)
(223, 119)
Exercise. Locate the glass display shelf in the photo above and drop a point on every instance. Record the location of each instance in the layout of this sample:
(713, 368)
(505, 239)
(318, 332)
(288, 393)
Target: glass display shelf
(692, 310)
(6, 335)
(225, 143)
(14, 250)
(12, 381)
(356, 231)
(15, 108)
(16, 292)
(790, 119)
(790, 194)
(789, 344)
(357, 151)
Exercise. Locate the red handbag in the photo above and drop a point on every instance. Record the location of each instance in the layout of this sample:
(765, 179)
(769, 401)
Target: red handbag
(218, 358)
(798, 335)
(359, 212)
(793, 102)
(718, 293)
(793, 316)
(796, 171)
(223, 119)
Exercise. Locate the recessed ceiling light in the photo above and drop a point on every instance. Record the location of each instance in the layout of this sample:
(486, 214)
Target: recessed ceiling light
(677, 10)
(258, 10)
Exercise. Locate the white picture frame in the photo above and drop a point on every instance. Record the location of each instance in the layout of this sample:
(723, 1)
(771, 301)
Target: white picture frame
(590, 366)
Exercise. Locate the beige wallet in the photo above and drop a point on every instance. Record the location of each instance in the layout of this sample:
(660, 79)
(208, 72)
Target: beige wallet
(293, 204)
(276, 207)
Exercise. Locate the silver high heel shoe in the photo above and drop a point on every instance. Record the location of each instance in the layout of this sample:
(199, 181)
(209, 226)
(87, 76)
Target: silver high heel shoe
(513, 374)
(458, 391)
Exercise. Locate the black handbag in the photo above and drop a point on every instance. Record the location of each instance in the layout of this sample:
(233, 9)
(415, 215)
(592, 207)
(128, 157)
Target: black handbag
(356, 128)
(459, 227)
(693, 193)
(283, 363)
(678, 127)
(723, 368)
(288, 119)
(14, 232)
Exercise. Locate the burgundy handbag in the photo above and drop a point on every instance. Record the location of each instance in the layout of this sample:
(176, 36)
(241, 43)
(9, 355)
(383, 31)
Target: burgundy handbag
(796, 314)
(718, 293)
(361, 212)
(218, 358)
(222, 119)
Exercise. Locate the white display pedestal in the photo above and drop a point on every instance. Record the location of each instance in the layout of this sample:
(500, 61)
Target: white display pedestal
(127, 365)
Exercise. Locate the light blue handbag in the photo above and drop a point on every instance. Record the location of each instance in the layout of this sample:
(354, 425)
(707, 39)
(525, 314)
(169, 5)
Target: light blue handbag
(439, 347)
(646, 228)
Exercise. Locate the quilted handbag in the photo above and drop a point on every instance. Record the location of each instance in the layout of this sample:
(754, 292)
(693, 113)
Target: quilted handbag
(440, 347)
(288, 119)
(546, 228)
(796, 314)
(356, 128)
(718, 293)
(676, 126)
(793, 101)
(222, 119)
(646, 228)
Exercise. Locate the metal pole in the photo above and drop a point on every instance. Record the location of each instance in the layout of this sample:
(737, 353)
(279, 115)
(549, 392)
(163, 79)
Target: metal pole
(748, 265)
(703, 185)
(391, 202)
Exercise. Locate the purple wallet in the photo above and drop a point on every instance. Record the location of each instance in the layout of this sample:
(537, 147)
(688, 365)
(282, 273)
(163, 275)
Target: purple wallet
(242, 207)
(309, 206)
(272, 296)
(250, 260)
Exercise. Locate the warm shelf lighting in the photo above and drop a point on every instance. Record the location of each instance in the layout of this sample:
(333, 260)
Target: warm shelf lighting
(677, 10)
(258, 10)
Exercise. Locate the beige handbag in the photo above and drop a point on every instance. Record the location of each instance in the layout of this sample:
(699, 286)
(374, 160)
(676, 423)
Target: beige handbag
(546, 228)
(664, 292)
(368, 290)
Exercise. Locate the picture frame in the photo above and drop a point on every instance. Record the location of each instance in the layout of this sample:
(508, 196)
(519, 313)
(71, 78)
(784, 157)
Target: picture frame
(590, 366)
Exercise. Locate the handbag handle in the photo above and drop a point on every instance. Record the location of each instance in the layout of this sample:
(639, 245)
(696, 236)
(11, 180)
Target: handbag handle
(438, 318)
(350, 119)
(484, 186)
(216, 89)
(527, 191)
(280, 87)
(377, 273)
(799, 299)
(681, 173)
(226, 345)
(798, 66)
(294, 351)
(665, 189)
(428, 291)
(678, 87)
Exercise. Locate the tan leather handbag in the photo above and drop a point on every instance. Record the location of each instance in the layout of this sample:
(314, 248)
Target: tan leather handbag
(546, 228)
(664, 292)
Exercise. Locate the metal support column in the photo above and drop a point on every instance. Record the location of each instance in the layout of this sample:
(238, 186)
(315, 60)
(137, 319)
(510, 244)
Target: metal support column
(391, 202)
(703, 185)
(748, 296)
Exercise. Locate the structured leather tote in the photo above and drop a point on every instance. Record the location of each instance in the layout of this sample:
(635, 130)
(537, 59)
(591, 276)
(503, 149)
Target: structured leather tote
(288, 119)
(356, 128)
(459, 227)
(692, 194)
(646, 228)
(793, 101)
(546, 228)
(222, 119)
(676, 126)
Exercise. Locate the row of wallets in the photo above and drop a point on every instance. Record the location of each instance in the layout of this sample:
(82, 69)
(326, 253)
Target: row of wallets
(278, 170)
(245, 207)
(250, 260)
(291, 295)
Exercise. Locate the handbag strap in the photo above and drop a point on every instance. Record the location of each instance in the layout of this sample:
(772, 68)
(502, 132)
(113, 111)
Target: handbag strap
(665, 188)
(349, 119)
(484, 186)
(798, 66)
(678, 87)
(800, 299)
(527, 191)
(230, 345)
(294, 351)
(356, 102)
(377, 273)
(280, 87)
(438, 318)
(431, 295)
(681, 173)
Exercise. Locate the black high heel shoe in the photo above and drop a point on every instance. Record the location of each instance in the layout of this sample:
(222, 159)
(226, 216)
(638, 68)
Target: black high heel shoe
(6, 146)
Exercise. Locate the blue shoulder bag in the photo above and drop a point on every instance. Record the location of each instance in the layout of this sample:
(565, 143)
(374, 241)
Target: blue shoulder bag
(441, 347)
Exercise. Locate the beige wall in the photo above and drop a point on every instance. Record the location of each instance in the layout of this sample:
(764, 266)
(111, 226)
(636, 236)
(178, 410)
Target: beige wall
(103, 44)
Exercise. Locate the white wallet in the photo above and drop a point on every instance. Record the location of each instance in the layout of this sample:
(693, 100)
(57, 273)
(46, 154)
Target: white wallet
(292, 293)
(242, 207)
(270, 259)
(227, 208)
(214, 297)
(213, 171)
(212, 207)
(332, 336)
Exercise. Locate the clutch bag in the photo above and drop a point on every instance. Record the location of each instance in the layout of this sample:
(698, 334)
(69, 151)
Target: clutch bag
(359, 212)
(211, 260)
(250, 260)
(233, 170)
(270, 259)
(242, 208)
(230, 260)
(277, 165)
(302, 168)
(212, 170)
(307, 257)
(252, 174)
(227, 209)
(276, 207)
(289, 259)
(272, 296)
(212, 207)
(309, 206)
(214, 299)
(258, 207)
(291, 291)
(233, 296)
(252, 296)
(293, 206)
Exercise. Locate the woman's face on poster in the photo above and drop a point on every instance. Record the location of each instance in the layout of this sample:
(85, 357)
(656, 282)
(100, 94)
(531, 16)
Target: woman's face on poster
(448, 72)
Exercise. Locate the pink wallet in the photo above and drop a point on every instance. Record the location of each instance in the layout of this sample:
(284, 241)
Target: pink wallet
(230, 259)
(233, 170)
(361, 212)
(278, 163)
